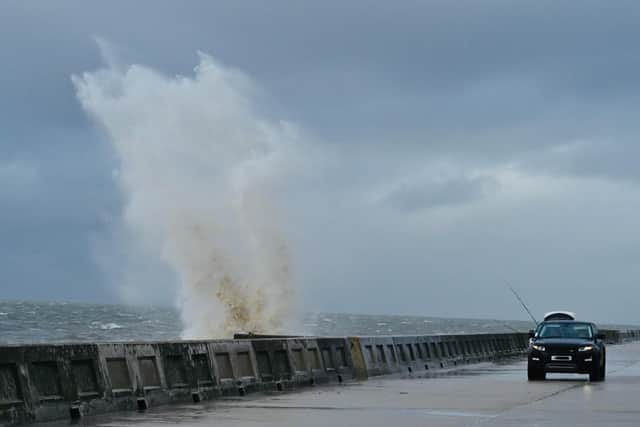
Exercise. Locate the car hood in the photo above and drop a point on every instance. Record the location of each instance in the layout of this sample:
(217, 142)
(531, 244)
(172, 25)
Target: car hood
(563, 341)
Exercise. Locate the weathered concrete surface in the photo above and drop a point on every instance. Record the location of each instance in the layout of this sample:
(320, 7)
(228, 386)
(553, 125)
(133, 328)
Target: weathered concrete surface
(41, 383)
(482, 395)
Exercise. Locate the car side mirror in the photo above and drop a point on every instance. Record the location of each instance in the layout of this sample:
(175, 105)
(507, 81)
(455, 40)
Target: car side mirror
(532, 333)
(600, 336)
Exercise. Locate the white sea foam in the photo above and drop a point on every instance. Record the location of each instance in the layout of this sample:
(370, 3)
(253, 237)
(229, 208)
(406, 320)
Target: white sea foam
(105, 326)
(198, 169)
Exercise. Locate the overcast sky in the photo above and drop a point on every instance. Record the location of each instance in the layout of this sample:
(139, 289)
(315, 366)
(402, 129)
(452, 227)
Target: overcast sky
(465, 143)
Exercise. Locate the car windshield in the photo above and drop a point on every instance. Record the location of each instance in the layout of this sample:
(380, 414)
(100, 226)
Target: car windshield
(565, 330)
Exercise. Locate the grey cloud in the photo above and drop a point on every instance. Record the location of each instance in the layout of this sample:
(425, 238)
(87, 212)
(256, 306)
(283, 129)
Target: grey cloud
(416, 196)
(550, 88)
(617, 160)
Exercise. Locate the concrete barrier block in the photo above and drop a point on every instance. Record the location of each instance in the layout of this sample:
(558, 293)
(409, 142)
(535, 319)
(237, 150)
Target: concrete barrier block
(274, 366)
(203, 378)
(481, 350)
(235, 366)
(42, 381)
(315, 364)
(432, 351)
(423, 352)
(188, 369)
(440, 351)
(132, 368)
(411, 353)
(454, 354)
(359, 362)
(333, 352)
(380, 355)
(306, 362)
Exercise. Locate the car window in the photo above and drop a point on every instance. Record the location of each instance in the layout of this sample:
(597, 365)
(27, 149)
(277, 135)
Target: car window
(566, 330)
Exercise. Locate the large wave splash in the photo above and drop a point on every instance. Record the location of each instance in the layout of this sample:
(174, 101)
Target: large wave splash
(199, 168)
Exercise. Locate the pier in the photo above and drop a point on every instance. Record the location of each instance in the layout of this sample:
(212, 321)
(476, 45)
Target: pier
(485, 394)
(419, 374)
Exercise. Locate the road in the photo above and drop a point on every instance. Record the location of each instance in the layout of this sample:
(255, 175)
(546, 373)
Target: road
(482, 395)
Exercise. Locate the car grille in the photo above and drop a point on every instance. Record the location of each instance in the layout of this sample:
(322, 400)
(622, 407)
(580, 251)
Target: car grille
(560, 349)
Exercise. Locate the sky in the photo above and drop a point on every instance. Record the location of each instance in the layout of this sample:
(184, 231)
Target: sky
(449, 148)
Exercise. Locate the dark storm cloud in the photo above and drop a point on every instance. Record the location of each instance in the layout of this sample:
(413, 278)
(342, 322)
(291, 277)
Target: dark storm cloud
(357, 70)
(495, 90)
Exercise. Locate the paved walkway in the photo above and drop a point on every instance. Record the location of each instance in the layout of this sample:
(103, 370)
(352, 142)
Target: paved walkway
(483, 395)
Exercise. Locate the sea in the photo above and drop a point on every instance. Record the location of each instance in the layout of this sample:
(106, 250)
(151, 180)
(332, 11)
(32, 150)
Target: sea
(27, 322)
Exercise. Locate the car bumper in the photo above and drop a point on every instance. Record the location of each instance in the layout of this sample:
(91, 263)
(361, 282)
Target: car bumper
(579, 364)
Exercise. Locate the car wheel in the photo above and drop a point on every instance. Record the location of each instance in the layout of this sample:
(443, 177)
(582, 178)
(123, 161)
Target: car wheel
(596, 373)
(534, 374)
(603, 369)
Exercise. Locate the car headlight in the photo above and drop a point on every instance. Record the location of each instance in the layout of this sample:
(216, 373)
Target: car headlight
(585, 348)
(538, 347)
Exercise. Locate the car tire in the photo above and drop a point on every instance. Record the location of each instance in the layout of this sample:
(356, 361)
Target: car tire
(534, 374)
(598, 372)
(603, 369)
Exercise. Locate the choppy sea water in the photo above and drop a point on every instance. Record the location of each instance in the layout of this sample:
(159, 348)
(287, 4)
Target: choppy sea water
(49, 322)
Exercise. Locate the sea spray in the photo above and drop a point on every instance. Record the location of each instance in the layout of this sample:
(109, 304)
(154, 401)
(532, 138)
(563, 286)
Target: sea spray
(199, 170)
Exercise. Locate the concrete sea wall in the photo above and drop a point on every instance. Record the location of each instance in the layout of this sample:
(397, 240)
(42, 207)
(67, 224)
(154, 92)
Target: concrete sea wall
(69, 381)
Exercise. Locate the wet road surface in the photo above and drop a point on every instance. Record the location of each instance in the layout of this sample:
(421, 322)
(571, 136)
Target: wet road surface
(482, 395)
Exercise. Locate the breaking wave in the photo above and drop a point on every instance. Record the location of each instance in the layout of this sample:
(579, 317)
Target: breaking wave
(198, 170)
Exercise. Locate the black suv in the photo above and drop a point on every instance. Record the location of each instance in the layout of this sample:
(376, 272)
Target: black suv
(566, 346)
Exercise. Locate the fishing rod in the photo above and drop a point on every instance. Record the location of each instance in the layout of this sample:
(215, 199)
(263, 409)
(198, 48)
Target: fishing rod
(522, 303)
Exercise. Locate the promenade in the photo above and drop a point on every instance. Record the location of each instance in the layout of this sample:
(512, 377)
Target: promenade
(479, 395)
